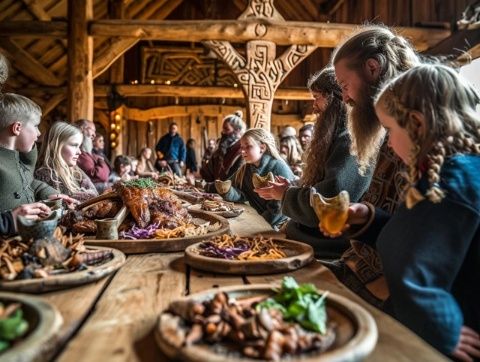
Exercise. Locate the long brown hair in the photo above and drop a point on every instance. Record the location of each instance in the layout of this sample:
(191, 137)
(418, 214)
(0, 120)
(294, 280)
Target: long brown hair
(327, 125)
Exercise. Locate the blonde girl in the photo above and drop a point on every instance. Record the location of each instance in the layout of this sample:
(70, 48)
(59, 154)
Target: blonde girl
(430, 248)
(292, 153)
(261, 156)
(57, 163)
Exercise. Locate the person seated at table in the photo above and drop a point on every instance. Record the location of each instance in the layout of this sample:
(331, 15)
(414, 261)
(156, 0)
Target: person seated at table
(430, 247)
(8, 219)
(57, 163)
(226, 159)
(261, 157)
(19, 121)
(330, 168)
(121, 169)
(145, 166)
(292, 154)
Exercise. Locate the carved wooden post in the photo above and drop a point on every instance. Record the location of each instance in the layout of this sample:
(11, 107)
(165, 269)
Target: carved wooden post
(260, 74)
(80, 56)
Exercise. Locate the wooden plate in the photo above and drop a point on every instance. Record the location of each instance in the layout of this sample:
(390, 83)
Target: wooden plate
(44, 322)
(298, 255)
(165, 245)
(227, 214)
(356, 331)
(66, 280)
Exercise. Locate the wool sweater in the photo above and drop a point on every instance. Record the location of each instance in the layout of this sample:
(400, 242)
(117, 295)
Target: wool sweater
(431, 253)
(87, 188)
(341, 173)
(222, 167)
(17, 184)
(94, 167)
(244, 191)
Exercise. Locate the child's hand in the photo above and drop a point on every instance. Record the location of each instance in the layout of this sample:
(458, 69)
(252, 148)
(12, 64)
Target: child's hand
(358, 214)
(468, 346)
(274, 190)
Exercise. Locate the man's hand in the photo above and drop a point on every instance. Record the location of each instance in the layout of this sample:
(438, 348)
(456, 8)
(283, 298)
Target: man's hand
(468, 346)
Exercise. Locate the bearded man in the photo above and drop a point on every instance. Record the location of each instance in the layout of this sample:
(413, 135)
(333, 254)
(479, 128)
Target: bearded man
(372, 56)
(226, 159)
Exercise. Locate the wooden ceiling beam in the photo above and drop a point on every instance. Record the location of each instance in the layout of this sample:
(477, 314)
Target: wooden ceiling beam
(176, 111)
(28, 65)
(153, 90)
(282, 33)
(39, 12)
(33, 29)
(110, 54)
(464, 43)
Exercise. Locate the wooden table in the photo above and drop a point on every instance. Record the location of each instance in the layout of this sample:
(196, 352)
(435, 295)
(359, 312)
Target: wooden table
(113, 319)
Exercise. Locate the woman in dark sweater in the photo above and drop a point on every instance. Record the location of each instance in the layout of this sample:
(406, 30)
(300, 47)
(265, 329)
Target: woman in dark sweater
(330, 168)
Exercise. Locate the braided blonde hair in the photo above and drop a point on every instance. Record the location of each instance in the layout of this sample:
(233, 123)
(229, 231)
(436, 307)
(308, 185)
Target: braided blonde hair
(258, 136)
(452, 123)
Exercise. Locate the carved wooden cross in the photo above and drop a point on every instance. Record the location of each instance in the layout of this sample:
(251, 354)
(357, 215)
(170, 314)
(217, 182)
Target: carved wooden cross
(260, 73)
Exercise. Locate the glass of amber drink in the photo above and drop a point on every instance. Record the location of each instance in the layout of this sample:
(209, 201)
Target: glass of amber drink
(331, 211)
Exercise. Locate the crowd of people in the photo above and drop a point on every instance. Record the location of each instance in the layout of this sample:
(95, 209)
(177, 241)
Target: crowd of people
(401, 134)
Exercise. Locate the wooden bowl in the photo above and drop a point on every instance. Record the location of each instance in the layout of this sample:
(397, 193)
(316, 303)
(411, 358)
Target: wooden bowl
(44, 322)
(298, 255)
(66, 280)
(356, 331)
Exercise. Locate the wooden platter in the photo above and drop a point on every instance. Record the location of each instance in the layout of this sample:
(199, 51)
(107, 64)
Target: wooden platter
(140, 246)
(356, 331)
(298, 255)
(44, 325)
(67, 280)
(236, 211)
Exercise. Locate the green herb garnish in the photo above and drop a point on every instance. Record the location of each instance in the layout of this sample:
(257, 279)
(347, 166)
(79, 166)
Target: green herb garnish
(12, 328)
(300, 303)
(141, 183)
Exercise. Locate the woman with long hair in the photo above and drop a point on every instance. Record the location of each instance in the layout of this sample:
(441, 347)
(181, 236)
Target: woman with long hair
(329, 168)
(145, 166)
(57, 162)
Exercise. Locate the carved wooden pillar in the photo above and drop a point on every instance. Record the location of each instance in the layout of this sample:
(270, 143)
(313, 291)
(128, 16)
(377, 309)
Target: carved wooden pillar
(80, 56)
(260, 73)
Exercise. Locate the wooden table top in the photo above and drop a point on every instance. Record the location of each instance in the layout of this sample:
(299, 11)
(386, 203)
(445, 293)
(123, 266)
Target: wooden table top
(113, 319)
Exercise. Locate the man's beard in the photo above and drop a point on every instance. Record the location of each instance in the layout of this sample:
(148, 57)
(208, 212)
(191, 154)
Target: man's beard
(366, 131)
(87, 145)
(226, 141)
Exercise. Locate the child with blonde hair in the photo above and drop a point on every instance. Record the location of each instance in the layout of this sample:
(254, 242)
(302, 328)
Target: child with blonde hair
(261, 156)
(430, 248)
(57, 164)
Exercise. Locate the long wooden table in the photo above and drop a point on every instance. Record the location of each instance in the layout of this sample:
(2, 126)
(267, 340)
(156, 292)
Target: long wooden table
(113, 319)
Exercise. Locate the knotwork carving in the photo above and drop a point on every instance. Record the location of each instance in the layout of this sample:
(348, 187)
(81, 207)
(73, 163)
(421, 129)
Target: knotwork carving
(260, 73)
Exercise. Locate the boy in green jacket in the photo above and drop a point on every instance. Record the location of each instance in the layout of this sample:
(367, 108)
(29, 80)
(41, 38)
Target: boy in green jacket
(19, 120)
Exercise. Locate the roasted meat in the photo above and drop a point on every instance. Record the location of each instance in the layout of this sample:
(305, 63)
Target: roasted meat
(148, 204)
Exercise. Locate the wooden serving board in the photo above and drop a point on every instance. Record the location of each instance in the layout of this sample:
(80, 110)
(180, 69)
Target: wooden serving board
(298, 255)
(356, 331)
(66, 280)
(44, 322)
(236, 211)
(140, 246)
